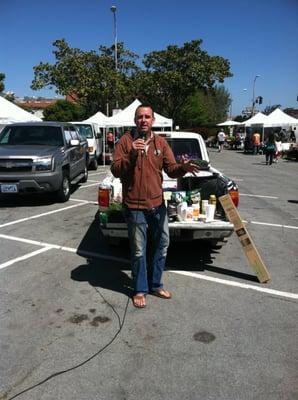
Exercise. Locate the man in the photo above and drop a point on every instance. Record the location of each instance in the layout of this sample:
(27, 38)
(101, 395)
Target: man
(256, 140)
(140, 156)
(221, 140)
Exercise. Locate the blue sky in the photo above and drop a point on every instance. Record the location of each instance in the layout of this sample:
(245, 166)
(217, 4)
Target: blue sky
(257, 36)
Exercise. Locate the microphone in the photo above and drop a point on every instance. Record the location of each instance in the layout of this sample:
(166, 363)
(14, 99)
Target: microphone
(142, 135)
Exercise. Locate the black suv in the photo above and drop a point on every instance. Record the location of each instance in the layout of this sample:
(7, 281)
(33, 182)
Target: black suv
(42, 157)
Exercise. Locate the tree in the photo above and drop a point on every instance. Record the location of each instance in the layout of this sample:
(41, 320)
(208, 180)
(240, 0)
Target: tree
(63, 110)
(174, 74)
(2, 86)
(205, 107)
(91, 76)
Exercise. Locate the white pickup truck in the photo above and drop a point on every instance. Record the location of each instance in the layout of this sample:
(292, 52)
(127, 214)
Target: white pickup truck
(208, 181)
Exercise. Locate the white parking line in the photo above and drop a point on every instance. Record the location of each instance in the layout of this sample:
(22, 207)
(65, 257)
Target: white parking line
(25, 257)
(84, 201)
(41, 215)
(275, 225)
(237, 284)
(64, 248)
(258, 195)
(48, 246)
(86, 186)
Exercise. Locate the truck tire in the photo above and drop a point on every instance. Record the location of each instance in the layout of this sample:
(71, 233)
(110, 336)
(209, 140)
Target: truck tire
(85, 178)
(94, 164)
(63, 193)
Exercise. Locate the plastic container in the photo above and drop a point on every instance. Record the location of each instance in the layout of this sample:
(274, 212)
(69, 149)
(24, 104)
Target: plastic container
(182, 211)
(204, 204)
(196, 211)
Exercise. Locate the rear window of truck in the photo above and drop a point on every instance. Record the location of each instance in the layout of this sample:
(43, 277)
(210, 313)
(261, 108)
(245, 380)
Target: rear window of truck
(187, 149)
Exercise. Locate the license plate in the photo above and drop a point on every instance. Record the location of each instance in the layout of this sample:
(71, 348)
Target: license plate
(9, 189)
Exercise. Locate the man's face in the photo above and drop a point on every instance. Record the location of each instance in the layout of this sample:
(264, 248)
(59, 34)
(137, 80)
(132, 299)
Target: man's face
(144, 119)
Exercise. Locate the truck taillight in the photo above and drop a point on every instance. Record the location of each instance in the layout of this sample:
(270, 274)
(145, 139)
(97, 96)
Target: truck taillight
(234, 196)
(103, 197)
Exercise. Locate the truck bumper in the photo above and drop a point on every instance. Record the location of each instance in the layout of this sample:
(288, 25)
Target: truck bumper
(33, 183)
(179, 231)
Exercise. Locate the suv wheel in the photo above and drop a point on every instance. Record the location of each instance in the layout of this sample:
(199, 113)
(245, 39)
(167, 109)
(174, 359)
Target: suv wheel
(85, 178)
(63, 193)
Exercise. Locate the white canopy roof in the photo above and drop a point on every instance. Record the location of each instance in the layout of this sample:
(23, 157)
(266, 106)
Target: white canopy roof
(10, 113)
(258, 119)
(229, 122)
(280, 118)
(126, 117)
(98, 118)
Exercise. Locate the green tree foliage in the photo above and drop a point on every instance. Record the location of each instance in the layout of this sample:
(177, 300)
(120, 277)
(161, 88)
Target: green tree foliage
(205, 107)
(2, 86)
(173, 79)
(174, 74)
(91, 76)
(63, 110)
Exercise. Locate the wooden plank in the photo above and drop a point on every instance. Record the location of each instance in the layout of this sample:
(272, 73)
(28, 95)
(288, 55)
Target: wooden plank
(246, 241)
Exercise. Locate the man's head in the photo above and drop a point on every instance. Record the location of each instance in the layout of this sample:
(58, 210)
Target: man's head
(144, 118)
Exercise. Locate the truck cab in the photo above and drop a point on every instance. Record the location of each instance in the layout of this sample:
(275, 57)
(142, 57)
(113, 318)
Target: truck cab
(91, 131)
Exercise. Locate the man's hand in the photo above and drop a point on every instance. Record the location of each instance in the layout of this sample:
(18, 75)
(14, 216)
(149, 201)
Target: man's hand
(138, 144)
(188, 166)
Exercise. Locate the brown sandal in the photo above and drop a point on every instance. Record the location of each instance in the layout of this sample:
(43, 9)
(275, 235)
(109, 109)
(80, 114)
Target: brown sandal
(162, 293)
(139, 300)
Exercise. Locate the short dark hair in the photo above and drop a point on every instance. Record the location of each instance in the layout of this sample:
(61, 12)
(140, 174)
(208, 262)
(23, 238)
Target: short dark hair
(144, 105)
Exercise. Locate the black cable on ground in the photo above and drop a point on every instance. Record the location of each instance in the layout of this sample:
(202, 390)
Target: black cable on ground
(121, 323)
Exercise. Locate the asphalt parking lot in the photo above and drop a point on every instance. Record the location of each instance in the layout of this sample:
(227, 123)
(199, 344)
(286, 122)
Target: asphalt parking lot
(69, 330)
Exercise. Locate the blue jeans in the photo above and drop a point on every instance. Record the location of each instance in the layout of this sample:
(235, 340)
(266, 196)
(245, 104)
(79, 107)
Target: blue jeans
(146, 268)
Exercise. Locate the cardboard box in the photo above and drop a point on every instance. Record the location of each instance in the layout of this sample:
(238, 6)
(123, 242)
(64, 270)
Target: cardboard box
(248, 246)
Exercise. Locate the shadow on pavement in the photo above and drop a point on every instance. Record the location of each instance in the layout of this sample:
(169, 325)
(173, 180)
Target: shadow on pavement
(198, 256)
(108, 266)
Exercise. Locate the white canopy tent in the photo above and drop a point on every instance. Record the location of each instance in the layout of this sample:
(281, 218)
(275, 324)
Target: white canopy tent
(99, 118)
(258, 119)
(229, 122)
(126, 118)
(280, 118)
(10, 113)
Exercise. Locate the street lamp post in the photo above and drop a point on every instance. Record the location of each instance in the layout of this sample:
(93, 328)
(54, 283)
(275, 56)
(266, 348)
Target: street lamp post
(253, 96)
(114, 9)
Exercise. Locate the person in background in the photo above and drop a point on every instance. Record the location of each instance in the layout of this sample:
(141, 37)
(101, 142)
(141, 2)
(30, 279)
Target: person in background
(278, 152)
(139, 159)
(110, 140)
(270, 148)
(221, 137)
(256, 140)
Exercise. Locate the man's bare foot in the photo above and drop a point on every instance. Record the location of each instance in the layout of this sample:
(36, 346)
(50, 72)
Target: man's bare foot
(162, 293)
(139, 300)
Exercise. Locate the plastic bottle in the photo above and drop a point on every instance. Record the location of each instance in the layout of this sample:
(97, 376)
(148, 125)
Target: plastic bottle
(203, 208)
(182, 210)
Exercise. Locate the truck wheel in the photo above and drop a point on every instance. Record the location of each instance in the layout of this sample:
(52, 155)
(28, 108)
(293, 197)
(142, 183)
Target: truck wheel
(63, 192)
(85, 178)
(95, 163)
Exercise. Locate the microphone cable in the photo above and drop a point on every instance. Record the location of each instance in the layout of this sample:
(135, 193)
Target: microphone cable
(48, 378)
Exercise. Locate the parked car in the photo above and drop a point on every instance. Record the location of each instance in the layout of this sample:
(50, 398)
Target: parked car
(42, 157)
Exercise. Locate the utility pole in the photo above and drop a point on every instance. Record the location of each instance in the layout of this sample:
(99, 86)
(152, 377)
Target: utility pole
(114, 9)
